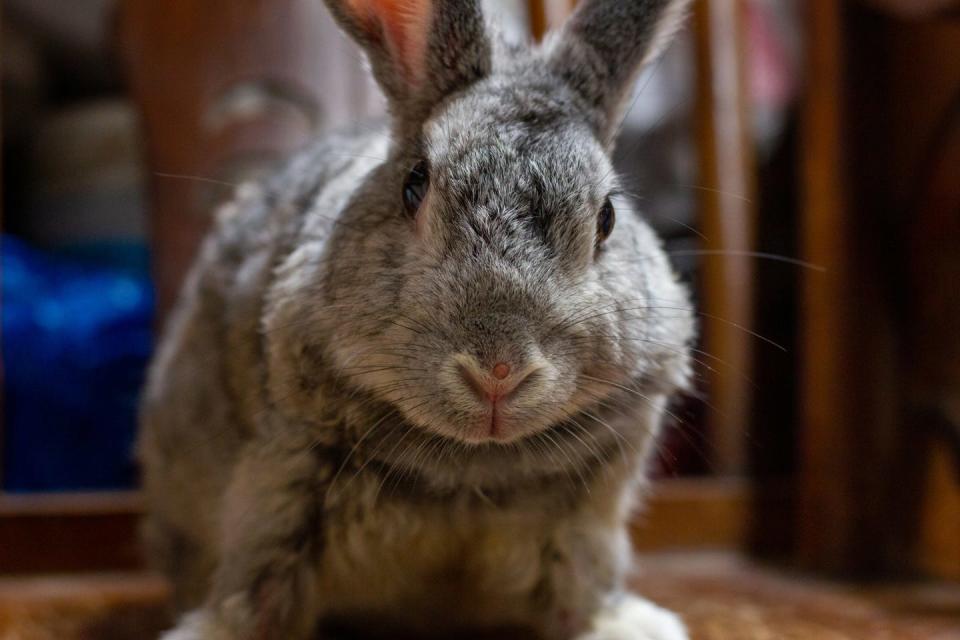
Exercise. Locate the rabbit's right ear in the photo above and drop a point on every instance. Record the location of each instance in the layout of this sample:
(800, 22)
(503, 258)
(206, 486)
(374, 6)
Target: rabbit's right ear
(420, 50)
(605, 44)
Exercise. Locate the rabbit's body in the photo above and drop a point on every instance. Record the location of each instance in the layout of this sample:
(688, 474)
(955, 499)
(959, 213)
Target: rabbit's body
(205, 392)
(428, 422)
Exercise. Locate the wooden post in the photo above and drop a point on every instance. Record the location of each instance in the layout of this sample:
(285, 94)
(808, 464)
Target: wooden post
(727, 221)
(825, 508)
(879, 325)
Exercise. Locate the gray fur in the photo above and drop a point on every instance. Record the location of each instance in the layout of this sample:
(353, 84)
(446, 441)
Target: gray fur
(603, 47)
(310, 450)
(458, 52)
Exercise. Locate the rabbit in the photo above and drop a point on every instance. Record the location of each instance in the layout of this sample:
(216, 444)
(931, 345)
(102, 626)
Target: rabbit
(415, 379)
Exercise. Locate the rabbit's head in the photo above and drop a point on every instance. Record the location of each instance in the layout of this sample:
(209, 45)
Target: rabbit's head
(487, 282)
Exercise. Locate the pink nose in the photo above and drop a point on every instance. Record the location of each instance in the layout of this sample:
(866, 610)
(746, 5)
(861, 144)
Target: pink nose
(493, 386)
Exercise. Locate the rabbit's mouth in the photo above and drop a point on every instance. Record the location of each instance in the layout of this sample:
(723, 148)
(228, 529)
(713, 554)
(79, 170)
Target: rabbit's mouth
(569, 450)
(497, 428)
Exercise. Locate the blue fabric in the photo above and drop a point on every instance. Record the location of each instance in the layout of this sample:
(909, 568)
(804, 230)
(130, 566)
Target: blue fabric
(76, 341)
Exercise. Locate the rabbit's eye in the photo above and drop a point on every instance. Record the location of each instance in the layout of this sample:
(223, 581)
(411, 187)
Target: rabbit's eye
(605, 221)
(415, 187)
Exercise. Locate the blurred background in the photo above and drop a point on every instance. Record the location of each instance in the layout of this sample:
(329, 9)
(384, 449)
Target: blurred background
(117, 147)
(801, 158)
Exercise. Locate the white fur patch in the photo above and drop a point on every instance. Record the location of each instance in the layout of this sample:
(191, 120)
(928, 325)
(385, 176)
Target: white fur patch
(198, 626)
(633, 618)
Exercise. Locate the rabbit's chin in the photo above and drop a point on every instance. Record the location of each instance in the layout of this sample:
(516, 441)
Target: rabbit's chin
(490, 427)
(494, 429)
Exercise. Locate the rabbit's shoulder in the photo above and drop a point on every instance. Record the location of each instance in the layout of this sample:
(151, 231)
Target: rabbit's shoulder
(271, 211)
(252, 233)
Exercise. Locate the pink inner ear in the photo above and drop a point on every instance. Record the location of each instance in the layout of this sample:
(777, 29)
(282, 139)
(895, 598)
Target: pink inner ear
(405, 25)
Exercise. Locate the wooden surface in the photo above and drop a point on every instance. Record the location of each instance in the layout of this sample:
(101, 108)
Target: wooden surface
(723, 598)
(694, 515)
(98, 532)
(720, 597)
(69, 533)
(937, 546)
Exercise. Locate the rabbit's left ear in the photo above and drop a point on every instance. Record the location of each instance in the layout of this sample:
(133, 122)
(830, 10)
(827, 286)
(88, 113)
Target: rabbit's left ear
(420, 50)
(604, 45)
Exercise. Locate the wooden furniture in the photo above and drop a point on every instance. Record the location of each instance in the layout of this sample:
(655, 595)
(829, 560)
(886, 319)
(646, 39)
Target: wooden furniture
(881, 212)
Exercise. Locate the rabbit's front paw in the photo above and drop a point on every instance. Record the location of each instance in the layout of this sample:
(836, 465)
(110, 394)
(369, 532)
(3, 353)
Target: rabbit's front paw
(198, 625)
(633, 618)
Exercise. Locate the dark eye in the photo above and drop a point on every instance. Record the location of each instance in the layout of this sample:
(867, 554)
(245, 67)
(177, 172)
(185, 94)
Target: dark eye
(415, 187)
(606, 220)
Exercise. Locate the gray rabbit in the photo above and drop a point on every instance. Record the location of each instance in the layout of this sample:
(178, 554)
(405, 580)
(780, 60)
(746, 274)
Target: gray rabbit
(413, 381)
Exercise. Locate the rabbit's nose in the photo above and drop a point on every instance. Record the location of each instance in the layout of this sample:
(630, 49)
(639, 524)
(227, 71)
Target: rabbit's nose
(496, 384)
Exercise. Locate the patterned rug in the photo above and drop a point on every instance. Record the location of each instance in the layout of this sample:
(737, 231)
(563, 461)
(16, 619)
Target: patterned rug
(720, 597)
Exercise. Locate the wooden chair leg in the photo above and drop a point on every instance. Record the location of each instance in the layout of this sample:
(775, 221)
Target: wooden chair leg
(728, 224)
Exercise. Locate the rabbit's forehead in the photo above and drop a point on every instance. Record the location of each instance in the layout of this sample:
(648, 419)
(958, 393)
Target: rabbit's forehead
(516, 146)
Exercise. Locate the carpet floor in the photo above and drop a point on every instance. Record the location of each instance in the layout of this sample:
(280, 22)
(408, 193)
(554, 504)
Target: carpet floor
(720, 597)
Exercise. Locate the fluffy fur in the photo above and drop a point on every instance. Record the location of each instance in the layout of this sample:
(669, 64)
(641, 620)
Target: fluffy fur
(311, 449)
